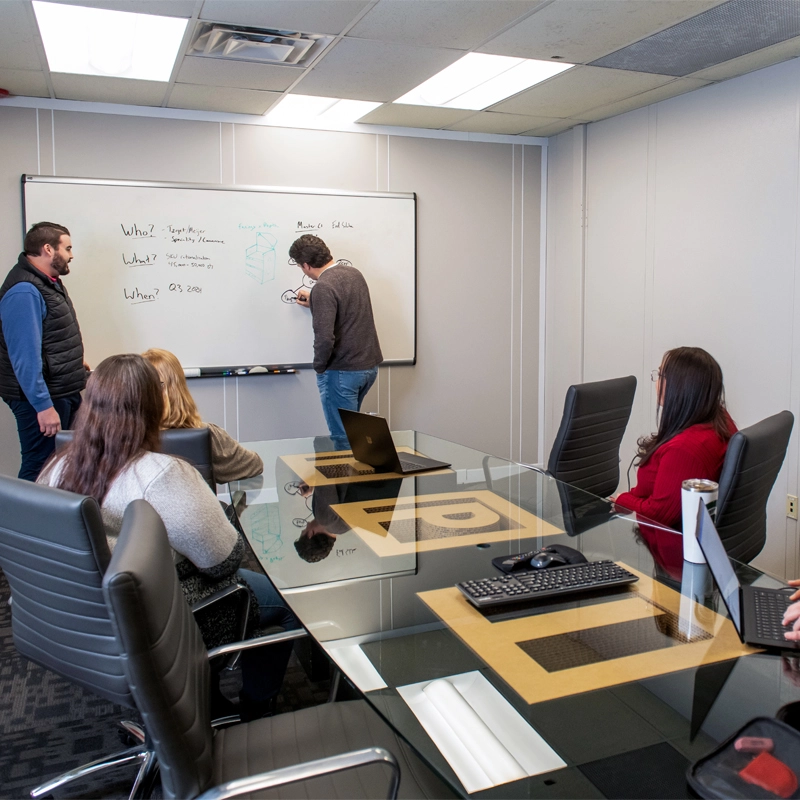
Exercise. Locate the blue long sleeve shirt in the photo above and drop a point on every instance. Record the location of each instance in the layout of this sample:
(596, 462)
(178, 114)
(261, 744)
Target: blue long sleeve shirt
(22, 311)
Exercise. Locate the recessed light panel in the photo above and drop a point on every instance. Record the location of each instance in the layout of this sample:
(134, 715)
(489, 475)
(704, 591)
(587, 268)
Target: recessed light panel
(303, 110)
(479, 80)
(93, 41)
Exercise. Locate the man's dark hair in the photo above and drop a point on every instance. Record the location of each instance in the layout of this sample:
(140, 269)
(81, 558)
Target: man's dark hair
(311, 250)
(314, 548)
(43, 233)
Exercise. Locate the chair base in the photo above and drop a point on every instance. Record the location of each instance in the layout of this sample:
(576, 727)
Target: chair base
(140, 753)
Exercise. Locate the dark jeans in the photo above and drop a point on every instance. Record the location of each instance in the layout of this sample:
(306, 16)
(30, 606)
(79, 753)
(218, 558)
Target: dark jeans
(263, 667)
(35, 447)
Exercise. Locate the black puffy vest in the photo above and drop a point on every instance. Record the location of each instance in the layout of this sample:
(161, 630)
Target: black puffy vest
(62, 346)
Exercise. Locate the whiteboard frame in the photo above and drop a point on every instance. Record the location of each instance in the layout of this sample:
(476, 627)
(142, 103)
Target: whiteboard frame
(213, 372)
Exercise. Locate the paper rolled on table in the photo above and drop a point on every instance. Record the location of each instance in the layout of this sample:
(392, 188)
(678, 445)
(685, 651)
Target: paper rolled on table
(489, 753)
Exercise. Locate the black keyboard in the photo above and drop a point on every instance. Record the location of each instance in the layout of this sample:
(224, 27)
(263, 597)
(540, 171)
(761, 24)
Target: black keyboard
(770, 608)
(343, 471)
(548, 582)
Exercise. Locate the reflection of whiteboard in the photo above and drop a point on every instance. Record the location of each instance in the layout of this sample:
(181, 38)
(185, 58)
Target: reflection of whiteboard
(204, 271)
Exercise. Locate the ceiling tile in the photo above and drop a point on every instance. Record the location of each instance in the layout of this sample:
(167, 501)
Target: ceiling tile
(358, 69)
(573, 91)
(24, 82)
(761, 58)
(99, 89)
(19, 37)
(554, 128)
(236, 74)
(492, 122)
(234, 101)
(721, 34)
(161, 8)
(582, 30)
(673, 89)
(439, 23)
(405, 116)
(309, 16)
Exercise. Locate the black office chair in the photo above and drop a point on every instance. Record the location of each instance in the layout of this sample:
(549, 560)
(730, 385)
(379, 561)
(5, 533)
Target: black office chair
(191, 444)
(585, 453)
(167, 667)
(54, 551)
(752, 462)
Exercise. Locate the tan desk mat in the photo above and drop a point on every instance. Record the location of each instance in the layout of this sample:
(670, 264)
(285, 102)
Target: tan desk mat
(306, 467)
(508, 647)
(438, 521)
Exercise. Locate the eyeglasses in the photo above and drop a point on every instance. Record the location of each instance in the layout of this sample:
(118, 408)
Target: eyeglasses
(655, 374)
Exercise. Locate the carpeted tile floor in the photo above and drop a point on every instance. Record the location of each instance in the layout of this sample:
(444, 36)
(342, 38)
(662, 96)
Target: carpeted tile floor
(48, 725)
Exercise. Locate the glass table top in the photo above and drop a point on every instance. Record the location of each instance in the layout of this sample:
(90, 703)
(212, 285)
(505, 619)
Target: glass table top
(624, 684)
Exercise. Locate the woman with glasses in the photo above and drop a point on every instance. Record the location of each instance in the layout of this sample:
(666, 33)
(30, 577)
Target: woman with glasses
(693, 432)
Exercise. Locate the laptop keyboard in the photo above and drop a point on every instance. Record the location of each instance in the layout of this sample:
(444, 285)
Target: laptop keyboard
(570, 579)
(343, 470)
(770, 608)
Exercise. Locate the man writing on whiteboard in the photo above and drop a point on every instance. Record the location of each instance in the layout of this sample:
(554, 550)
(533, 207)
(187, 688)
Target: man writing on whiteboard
(42, 371)
(346, 347)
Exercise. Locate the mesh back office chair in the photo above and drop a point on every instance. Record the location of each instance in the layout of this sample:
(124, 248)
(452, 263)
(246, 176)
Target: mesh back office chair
(752, 462)
(585, 452)
(53, 550)
(167, 667)
(191, 444)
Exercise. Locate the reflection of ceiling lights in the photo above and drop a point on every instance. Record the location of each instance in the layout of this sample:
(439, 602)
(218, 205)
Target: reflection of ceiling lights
(302, 111)
(93, 41)
(267, 46)
(478, 81)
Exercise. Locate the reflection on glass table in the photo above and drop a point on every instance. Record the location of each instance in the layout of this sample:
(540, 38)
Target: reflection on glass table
(601, 687)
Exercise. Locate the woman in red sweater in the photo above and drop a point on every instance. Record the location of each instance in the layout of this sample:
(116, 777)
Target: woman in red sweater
(692, 437)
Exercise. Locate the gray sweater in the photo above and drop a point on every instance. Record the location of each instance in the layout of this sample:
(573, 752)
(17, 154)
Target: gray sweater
(344, 329)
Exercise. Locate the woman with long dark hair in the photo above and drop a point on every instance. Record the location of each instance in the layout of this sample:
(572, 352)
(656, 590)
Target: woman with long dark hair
(693, 432)
(114, 458)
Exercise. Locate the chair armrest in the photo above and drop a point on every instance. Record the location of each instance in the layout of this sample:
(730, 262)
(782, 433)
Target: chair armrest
(258, 641)
(234, 588)
(535, 467)
(310, 769)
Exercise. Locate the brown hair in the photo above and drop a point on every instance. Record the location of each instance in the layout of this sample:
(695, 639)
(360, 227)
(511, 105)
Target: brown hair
(693, 394)
(118, 421)
(43, 233)
(180, 410)
(311, 250)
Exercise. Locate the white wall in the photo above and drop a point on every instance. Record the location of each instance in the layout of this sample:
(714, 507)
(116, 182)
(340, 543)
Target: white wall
(478, 217)
(691, 239)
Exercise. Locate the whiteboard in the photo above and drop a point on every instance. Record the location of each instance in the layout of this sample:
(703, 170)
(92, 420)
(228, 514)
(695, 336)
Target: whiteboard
(204, 270)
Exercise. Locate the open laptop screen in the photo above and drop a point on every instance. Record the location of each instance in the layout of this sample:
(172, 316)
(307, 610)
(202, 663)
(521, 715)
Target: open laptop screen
(720, 565)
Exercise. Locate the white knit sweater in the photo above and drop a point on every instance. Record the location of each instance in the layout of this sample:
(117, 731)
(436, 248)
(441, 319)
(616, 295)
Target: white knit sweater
(195, 523)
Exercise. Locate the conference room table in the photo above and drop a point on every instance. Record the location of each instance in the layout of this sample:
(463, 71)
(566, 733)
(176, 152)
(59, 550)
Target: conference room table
(612, 693)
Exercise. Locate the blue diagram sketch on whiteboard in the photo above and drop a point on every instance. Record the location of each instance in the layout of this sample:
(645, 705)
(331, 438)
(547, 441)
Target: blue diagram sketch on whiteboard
(265, 532)
(260, 258)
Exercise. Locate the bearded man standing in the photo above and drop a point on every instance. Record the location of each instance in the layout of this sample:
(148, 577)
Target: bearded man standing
(42, 370)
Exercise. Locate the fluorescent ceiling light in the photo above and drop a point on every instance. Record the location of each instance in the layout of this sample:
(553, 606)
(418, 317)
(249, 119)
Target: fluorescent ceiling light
(93, 41)
(302, 110)
(478, 81)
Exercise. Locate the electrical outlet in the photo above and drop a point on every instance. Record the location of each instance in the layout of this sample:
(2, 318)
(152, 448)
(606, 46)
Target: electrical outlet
(791, 506)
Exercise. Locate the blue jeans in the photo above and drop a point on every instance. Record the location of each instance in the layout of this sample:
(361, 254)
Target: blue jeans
(263, 667)
(343, 388)
(35, 447)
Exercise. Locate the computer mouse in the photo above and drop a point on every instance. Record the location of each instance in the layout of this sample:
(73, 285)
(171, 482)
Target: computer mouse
(545, 558)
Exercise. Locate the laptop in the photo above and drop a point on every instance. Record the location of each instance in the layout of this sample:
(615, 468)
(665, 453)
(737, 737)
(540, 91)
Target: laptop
(371, 443)
(756, 613)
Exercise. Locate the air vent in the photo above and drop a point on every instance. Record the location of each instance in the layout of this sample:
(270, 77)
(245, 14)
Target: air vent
(264, 45)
